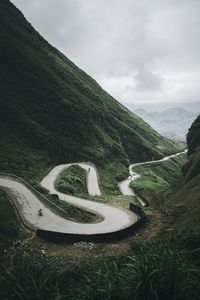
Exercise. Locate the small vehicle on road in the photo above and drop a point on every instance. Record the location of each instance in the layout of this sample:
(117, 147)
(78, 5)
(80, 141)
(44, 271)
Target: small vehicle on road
(40, 212)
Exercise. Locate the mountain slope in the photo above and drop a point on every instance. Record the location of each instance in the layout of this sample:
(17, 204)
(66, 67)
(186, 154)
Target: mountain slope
(185, 204)
(51, 111)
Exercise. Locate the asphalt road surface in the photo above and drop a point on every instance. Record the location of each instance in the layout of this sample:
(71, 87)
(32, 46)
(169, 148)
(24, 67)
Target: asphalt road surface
(114, 219)
(28, 204)
(124, 187)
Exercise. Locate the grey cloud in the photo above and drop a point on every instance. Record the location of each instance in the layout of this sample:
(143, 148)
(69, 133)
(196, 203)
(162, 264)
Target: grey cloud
(147, 80)
(139, 50)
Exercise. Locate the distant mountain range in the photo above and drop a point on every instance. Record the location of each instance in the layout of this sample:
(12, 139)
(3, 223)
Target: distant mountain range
(190, 106)
(172, 123)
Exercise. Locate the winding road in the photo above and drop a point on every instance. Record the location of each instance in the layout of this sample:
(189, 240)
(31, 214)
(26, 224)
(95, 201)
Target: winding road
(114, 219)
(27, 203)
(124, 187)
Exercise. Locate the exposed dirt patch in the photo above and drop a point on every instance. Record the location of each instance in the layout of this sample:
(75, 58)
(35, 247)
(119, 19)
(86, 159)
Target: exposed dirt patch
(155, 225)
(158, 222)
(74, 250)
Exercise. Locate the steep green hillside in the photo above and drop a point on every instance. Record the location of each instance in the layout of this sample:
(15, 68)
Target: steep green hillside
(51, 111)
(159, 180)
(193, 136)
(192, 168)
(8, 223)
(185, 204)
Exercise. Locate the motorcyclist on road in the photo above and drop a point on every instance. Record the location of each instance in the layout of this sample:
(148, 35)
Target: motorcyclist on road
(40, 212)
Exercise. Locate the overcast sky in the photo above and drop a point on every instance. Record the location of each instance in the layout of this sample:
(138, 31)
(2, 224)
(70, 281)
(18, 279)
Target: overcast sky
(138, 50)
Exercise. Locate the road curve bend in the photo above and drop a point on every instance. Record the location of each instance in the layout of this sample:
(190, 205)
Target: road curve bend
(124, 187)
(27, 203)
(114, 219)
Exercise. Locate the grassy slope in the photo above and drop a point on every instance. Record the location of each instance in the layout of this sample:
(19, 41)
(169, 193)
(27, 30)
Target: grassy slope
(35, 82)
(9, 228)
(72, 181)
(20, 159)
(51, 109)
(72, 212)
(110, 176)
(8, 222)
(185, 204)
(160, 179)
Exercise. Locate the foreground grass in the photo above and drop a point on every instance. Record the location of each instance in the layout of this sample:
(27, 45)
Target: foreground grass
(160, 269)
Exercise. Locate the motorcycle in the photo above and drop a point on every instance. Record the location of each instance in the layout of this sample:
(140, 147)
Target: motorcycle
(40, 213)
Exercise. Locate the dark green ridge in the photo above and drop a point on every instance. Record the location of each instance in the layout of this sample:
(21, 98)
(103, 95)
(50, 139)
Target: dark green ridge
(185, 204)
(52, 112)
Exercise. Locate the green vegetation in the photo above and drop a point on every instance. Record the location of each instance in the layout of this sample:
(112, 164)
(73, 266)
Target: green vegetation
(193, 136)
(72, 212)
(181, 191)
(52, 112)
(184, 205)
(22, 160)
(9, 227)
(72, 181)
(110, 176)
(161, 179)
(156, 270)
(63, 208)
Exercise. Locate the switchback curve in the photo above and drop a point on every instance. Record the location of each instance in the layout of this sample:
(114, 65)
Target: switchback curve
(27, 203)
